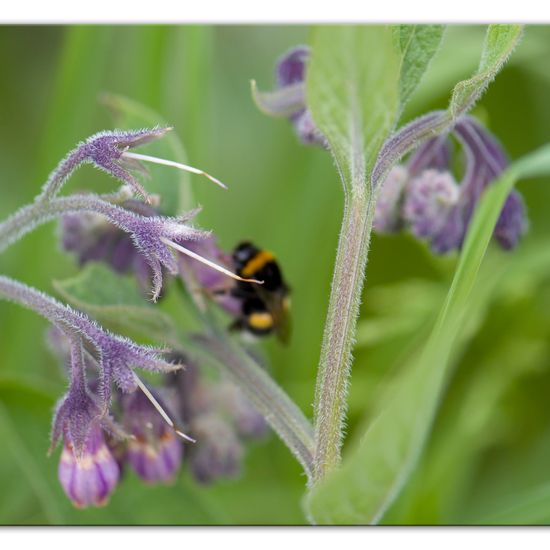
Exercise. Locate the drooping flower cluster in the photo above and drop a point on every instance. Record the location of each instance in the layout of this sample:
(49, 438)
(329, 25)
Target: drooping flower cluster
(110, 418)
(425, 197)
(98, 446)
(220, 417)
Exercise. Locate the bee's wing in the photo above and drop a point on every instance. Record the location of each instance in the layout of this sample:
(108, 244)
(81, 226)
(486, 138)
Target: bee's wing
(278, 305)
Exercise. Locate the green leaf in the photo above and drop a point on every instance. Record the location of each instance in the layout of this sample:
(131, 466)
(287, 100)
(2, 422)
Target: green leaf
(117, 302)
(500, 42)
(24, 428)
(353, 93)
(527, 507)
(418, 45)
(174, 186)
(375, 471)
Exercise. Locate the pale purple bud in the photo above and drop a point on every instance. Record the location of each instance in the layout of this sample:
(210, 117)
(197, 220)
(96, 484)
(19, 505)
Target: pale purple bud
(291, 67)
(248, 422)
(155, 451)
(289, 100)
(452, 233)
(387, 215)
(429, 200)
(306, 129)
(512, 223)
(88, 479)
(486, 161)
(218, 452)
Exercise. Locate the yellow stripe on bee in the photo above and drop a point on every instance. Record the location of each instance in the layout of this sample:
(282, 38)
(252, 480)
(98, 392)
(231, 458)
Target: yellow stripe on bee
(260, 321)
(256, 263)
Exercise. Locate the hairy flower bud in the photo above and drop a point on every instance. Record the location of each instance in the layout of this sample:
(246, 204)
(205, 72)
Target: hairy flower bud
(387, 215)
(428, 202)
(435, 208)
(248, 422)
(218, 452)
(289, 100)
(155, 451)
(512, 222)
(90, 477)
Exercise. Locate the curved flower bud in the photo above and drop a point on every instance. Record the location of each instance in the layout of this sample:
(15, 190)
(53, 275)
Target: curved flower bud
(248, 422)
(434, 207)
(87, 470)
(155, 453)
(387, 214)
(88, 479)
(218, 452)
(512, 223)
(109, 151)
(486, 160)
(288, 100)
(428, 202)
(105, 150)
(451, 235)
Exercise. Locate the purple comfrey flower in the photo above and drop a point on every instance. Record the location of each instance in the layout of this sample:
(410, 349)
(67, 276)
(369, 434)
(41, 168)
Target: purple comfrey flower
(434, 207)
(109, 151)
(428, 201)
(485, 161)
(248, 422)
(88, 480)
(154, 452)
(220, 417)
(512, 223)
(218, 452)
(387, 215)
(87, 470)
(289, 100)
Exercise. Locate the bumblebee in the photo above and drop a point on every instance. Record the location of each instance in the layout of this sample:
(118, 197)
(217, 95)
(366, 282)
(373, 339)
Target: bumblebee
(265, 307)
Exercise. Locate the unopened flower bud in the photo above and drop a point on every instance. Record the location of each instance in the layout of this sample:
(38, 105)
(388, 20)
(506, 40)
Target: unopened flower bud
(155, 451)
(218, 452)
(387, 215)
(429, 199)
(512, 223)
(89, 479)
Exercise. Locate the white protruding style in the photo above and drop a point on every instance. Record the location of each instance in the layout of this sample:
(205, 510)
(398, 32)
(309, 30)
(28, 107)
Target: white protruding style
(173, 164)
(209, 263)
(161, 411)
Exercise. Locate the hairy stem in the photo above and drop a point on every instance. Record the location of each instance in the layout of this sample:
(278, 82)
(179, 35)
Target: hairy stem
(282, 414)
(338, 339)
(27, 218)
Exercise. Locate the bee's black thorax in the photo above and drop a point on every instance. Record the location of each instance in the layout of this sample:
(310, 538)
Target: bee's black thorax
(262, 306)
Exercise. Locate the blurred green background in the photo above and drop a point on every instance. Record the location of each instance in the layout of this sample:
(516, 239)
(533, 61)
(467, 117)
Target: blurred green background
(488, 458)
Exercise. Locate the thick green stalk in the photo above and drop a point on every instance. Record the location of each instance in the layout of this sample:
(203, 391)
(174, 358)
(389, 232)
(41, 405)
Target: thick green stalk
(343, 310)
